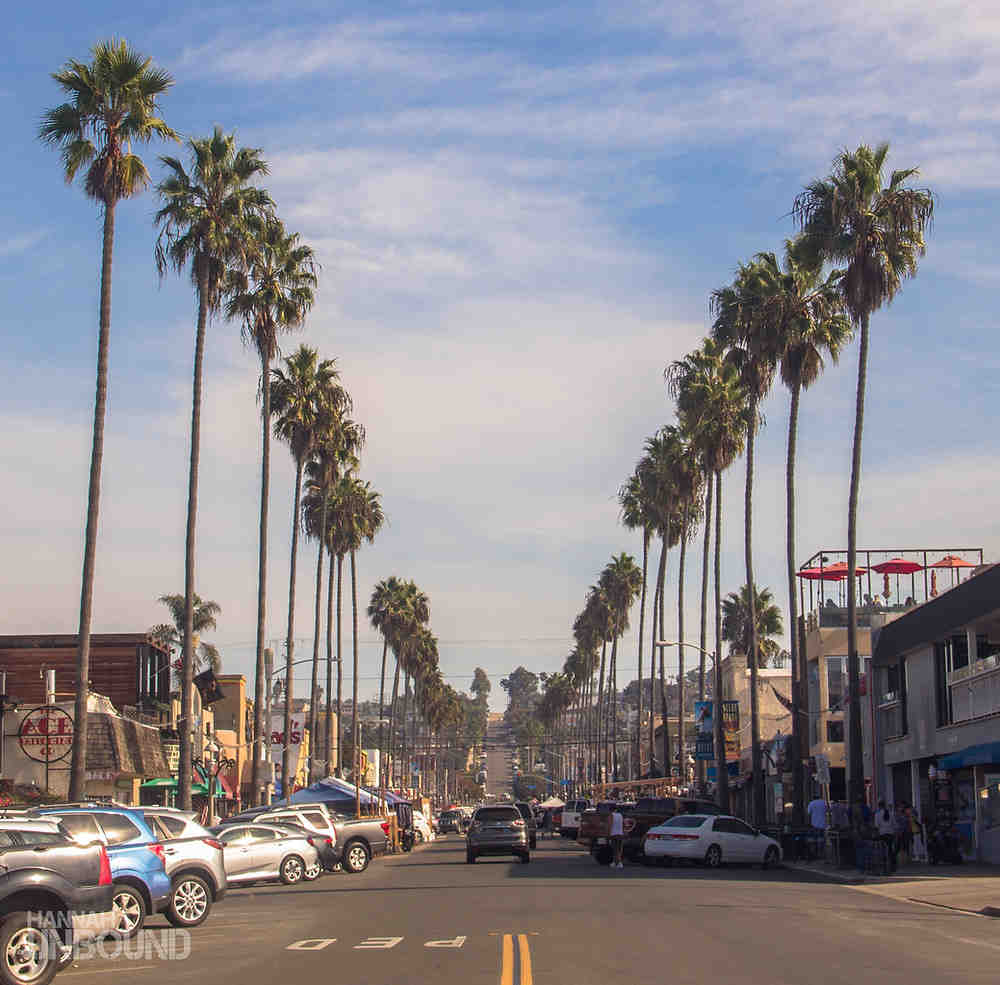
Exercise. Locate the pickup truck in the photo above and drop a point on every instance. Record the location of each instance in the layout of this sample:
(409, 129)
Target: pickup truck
(637, 819)
(569, 819)
(52, 894)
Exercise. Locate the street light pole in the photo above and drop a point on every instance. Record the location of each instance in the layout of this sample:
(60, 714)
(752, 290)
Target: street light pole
(722, 775)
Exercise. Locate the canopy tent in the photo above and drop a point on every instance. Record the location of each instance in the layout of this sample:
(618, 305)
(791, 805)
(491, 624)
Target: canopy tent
(331, 790)
(553, 802)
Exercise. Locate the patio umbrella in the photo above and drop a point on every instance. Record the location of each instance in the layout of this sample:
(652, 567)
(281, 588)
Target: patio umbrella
(840, 570)
(899, 566)
(955, 563)
(820, 575)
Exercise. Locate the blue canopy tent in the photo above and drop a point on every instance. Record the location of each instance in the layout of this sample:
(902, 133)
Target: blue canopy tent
(331, 791)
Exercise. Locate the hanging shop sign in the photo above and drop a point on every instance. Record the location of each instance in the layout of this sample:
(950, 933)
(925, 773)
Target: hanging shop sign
(46, 734)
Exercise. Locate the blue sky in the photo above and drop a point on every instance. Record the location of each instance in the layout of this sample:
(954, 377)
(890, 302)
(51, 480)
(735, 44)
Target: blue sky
(520, 210)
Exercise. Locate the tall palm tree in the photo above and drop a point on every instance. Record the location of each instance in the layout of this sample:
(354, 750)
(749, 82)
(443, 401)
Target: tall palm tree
(712, 408)
(113, 105)
(304, 395)
(875, 231)
(338, 440)
(272, 295)
(810, 323)
(743, 322)
(205, 617)
(635, 508)
(385, 610)
(207, 219)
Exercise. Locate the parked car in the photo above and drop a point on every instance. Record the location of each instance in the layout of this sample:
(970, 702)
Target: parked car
(259, 852)
(712, 840)
(530, 822)
(138, 862)
(497, 830)
(194, 864)
(424, 831)
(316, 820)
(569, 821)
(43, 868)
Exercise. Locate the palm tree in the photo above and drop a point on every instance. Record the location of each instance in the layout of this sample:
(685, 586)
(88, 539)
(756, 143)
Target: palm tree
(808, 314)
(305, 394)
(711, 407)
(207, 221)
(635, 508)
(172, 634)
(737, 612)
(338, 440)
(386, 610)
(875, 230)
(271, 296)
(113, 105)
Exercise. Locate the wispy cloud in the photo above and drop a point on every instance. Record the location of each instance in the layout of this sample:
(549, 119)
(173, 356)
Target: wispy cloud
(21, 242)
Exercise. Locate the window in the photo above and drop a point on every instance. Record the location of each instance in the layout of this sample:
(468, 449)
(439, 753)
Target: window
(173, 826)
(834, 731)
(42, 838)
(118, 829)
(264, 834)
(6, 839)
(489, 815)
(835, 682)
(812, 687)
(891, 699)
(82, 828)
(686, 821)
(235, 836)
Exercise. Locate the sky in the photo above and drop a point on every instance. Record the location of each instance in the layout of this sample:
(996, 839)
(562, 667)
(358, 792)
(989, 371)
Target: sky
(520, 211)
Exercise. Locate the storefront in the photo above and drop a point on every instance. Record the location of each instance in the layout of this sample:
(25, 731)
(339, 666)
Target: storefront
(967, 784)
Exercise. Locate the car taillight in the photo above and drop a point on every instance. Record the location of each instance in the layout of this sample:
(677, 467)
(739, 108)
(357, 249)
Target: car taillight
(311, 840)
(329, 841)
(653, 837)
(104, 879)
(385, 827)
(157, 849)
(212, 843)
(519, 823)
(686, 837)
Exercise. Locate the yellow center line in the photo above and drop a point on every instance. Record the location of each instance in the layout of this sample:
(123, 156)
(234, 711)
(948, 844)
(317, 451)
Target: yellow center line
(522, 946)
(507, 961)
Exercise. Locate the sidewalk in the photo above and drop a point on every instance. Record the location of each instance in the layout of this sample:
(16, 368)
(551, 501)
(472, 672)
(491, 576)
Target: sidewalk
(969, 888)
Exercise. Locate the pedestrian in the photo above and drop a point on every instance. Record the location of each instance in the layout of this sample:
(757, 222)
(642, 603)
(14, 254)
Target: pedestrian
(904, 835)
(817, 811)
(617, 834)
(885, 824)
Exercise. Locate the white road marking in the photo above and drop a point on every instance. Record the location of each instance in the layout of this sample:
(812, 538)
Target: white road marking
(457, 942)
(378, 943)
(312, 944)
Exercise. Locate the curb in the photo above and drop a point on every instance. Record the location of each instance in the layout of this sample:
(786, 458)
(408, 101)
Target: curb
(827, 875)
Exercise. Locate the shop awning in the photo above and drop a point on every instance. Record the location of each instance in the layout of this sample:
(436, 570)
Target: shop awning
(984, 754)
(158, 784)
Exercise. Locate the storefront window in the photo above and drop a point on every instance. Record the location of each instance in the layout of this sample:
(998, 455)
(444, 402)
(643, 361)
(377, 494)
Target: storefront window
(835, 682)
(812, 683)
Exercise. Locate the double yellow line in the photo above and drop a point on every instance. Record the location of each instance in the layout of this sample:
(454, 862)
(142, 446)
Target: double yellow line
(507, 964)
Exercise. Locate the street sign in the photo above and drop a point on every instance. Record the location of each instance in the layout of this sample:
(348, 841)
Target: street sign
(822, 768)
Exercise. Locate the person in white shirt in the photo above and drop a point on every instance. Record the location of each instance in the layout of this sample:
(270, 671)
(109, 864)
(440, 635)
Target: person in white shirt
(617, 834)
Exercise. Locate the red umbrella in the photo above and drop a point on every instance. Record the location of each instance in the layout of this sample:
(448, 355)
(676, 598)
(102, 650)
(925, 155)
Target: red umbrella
(821, 574)
(898, 566)
(840, 570)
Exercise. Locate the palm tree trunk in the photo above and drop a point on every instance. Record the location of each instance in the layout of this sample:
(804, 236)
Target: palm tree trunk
(392, 722)
(703, 638)
(261, 681)
(681, 748)
(614, 706)
(381, 709)
(722, 774)
(856, 763)
(286, 755)
(78, 763)
(340, 670)
(668, 759)
(637, 770)
(404, 752)
(355, 721)
(317, 629)
(185, 764)
(757, 810)
(600, 704)
(793, 612)
(657, 604)
(328, 724)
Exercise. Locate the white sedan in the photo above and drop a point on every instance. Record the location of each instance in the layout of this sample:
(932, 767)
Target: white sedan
(712, 840)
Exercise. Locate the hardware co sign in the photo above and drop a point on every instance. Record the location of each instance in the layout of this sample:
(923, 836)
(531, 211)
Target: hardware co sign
(46, 734)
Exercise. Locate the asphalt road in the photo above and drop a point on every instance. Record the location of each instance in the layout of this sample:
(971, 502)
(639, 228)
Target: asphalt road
(499, 777)
(562, 920)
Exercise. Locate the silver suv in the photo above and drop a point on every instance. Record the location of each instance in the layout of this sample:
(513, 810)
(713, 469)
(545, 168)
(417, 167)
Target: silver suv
(316, 820)
(194, 862)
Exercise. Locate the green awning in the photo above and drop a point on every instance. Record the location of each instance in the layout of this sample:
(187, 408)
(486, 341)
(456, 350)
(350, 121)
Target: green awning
(198, 789)
(158, 784)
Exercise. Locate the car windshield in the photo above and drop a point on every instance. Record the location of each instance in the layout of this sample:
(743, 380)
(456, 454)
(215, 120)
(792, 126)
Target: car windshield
(444, 441)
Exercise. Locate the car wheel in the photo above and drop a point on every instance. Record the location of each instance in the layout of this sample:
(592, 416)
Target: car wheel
(525, 858)
(130, 909)
(770, 858)
(470, 857)
(312, 872)
(30, 953)
(356, 857)
(292, 870)
(713, 857)
(190, 902)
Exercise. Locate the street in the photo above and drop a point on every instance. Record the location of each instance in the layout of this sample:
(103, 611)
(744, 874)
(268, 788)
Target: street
(429, 916)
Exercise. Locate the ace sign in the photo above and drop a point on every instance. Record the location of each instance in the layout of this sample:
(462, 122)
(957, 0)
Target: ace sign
(46, 734)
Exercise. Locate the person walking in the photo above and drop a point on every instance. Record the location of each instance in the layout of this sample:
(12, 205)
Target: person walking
(617, 834)
(904, 835)
(817, 811)
(885, 825)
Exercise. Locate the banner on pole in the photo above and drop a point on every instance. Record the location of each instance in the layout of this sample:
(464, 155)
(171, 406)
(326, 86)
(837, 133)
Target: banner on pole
(731, 729)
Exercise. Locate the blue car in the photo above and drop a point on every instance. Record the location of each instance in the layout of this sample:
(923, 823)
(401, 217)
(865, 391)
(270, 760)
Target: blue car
(141, 884)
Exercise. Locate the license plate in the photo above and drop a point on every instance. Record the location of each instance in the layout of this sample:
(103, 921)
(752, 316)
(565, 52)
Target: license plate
(602, 841)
